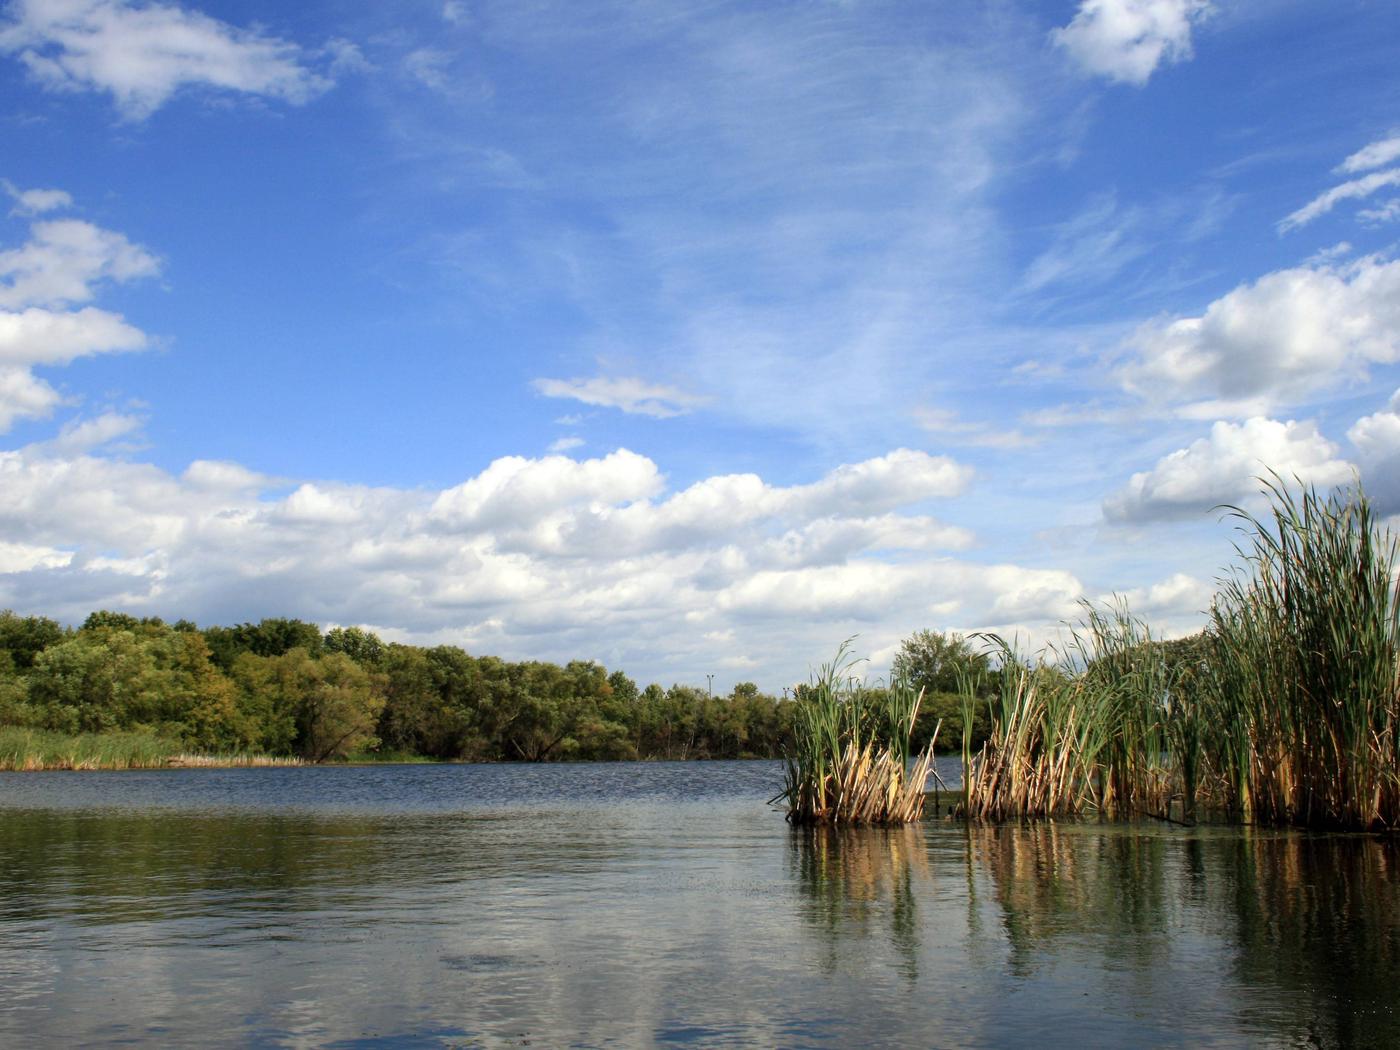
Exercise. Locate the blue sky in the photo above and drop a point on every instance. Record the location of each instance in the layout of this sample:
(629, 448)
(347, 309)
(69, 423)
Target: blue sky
(688, 337)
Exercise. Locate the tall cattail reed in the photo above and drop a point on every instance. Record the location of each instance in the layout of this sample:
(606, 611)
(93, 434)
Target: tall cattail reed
(1290, 715)
(1085, 728)
(850, 760)
(1303, 674)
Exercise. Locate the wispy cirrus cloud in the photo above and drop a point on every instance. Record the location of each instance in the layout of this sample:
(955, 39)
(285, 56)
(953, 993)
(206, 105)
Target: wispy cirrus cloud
(1373, 155)
(1355, 189)
(625, 393)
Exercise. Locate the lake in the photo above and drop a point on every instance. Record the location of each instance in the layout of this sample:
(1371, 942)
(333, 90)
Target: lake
(636, 904)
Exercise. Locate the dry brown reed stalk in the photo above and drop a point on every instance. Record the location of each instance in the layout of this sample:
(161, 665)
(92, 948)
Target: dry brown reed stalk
(230, 761)
(850, 762)
(1304, 669)
(1041, 758)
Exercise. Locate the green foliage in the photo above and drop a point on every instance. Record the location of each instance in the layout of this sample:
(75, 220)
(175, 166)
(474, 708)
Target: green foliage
(1285, 712)
(1303, 667)
(270, 637)
(940, 663)
(361, 646)
(23, 638)
(279, 688)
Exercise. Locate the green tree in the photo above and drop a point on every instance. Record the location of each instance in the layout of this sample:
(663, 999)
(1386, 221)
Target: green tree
(318, 707)
(939, 663)
(364, 647)
(273, 636)
(25, 637)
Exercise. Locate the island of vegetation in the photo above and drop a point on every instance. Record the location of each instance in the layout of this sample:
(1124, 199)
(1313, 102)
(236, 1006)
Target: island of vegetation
(1285, 711)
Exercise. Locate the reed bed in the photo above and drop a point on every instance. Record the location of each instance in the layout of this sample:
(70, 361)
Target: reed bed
(28, 750)
(1304, 679)
(850, 761)
(1289, 715)
(1064, 739)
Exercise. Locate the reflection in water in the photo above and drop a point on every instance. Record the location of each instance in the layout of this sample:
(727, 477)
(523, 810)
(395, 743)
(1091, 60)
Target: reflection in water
(641, 905)
(1310, 923)
(858, 876)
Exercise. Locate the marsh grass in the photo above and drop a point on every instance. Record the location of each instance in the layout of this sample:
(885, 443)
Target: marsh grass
(850, 761)
(1291, 718)
(35, 749)
(1303, 678)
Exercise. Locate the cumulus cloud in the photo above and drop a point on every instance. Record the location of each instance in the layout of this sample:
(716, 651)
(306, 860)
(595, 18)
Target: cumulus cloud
(1126, 40)
(548, 557)
(64, 260)
(1286, 336)
(24, 396)
(64, 263)
(1377, 441)
(141, 54)
(1224, 467)
(1180, 597)
(632, 395)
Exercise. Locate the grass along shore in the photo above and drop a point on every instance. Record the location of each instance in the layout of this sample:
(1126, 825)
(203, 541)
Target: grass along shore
(25, 750)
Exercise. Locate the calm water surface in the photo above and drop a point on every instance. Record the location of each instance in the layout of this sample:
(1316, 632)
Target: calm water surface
(641, 904)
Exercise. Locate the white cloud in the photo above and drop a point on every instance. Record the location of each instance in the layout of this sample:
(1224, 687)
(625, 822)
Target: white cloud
(514, 485)
(142, 54)
(1355, 189)
(548, 557)
(1377, 441)
(23, 557)
(1126, 40)
(1388, 211)
(79, 436)
(36, 202)
(64, 259)
(64, 262)
(1223, 468)
(1179, 597)
(946, 422)
(431, 67)
(48, 337)
(1286, 336)
(24, 396)
(1375, 155)
(632, 395)
(566, 444)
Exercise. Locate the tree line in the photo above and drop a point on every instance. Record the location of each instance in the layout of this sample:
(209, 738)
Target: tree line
(283, 687)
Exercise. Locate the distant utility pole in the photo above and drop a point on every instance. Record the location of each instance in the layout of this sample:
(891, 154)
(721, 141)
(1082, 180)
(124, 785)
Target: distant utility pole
(712, 685)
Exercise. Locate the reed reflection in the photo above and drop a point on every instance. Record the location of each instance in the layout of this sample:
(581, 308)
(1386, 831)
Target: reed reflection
(1309, 925)
(857, 879)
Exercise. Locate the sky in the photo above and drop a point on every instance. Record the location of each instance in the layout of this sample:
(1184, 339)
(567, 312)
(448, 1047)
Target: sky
(688, 337)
